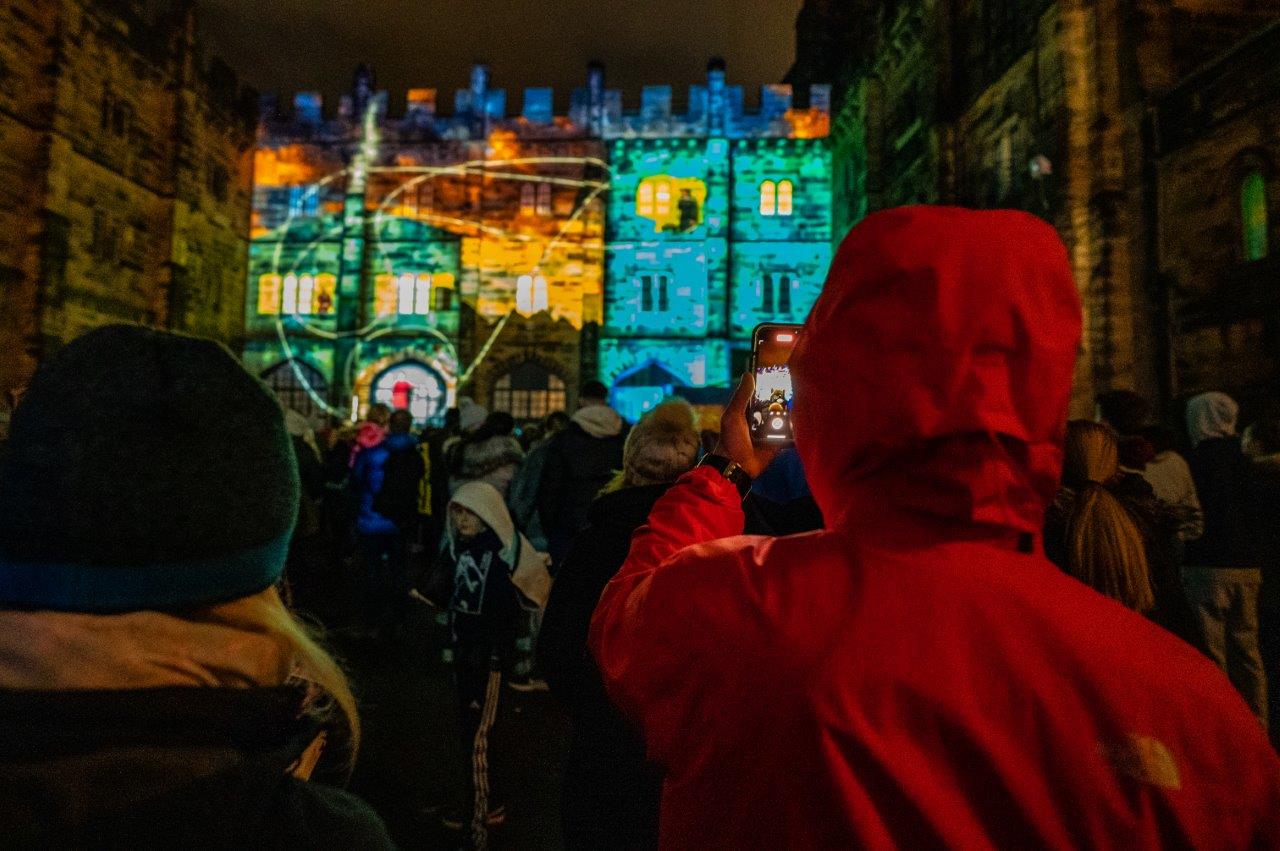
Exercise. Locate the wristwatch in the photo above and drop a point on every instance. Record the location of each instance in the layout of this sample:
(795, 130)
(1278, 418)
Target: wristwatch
(730, 470)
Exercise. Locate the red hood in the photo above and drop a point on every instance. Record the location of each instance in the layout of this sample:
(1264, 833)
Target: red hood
(935, 370)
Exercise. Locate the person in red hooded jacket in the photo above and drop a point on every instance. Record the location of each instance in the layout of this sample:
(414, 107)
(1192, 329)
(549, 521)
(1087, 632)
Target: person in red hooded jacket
(917, 674)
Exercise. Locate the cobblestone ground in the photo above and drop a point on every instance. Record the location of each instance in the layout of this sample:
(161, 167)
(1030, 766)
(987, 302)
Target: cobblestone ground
(412, 761)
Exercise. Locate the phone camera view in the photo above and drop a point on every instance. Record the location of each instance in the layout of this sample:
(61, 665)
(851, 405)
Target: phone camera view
(769, 415)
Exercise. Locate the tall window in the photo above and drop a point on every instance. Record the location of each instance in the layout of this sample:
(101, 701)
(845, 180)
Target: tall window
(777, 198)
(1253, 215)
(269, 294)
(775, 293)
(528, 196)
(785, 192)
(544, 199)
(664, 303)
(662, 198)
(531, 294)
(412, 294)
(529, 391)
(297, 385)
(768, 198)
(644, 200)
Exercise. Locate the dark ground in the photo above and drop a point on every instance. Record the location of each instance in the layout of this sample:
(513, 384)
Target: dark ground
(412, 760)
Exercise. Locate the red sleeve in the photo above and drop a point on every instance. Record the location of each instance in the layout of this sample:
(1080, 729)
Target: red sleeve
(641, 633)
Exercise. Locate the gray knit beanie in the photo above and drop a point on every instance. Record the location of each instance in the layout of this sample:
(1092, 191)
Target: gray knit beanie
(144, 470)
(662, 446)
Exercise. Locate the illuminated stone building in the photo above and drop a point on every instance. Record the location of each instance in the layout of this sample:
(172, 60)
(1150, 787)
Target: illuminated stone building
(415, 258)
(1050, 106)
(124, 178)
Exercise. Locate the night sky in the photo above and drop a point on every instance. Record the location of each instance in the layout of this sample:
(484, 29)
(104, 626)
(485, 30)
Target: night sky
(289, 45)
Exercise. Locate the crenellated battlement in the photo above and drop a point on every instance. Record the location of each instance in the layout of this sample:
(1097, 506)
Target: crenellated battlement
(714, 109)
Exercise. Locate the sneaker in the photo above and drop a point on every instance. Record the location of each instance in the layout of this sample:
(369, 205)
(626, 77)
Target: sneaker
(529, 684)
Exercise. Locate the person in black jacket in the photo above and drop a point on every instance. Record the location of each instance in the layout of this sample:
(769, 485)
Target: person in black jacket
(1265, 544)
(580, 461)
(610, 797)
(1222, 576)
(154, 690)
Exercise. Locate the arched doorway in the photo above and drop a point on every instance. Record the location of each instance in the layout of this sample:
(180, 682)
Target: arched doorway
(412, 386)
(641, 387)
(529, 391)
(298, 386)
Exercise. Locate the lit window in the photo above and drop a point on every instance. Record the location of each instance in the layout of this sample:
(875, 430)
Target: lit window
(527, 199)
(524, 294)
(269, 295)
(306, 290)
(644, 200)
(422, 298)
(289, 303)
(405, 292)
(385, 293)
(540, 302)
(325, 293)
(784, 198)
(442, 291)
(529, 391)
(544, 199)
(662, 199)
(768, 198)
(1253, 215)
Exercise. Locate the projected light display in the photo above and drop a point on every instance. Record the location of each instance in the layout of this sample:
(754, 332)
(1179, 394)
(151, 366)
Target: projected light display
(391, 257)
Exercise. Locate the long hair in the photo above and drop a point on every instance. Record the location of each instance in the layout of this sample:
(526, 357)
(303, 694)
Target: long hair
(1104, 547)
(330, 699)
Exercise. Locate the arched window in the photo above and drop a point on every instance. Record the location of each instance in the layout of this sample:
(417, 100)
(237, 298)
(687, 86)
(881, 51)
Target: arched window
(544, 199)
(644, 200)
(524, 294)
(529, 391)
(269, 294)
(298, 386)
(785, 283)
(527, 202)
(785, 192)
(768, 198)
(405, 284)
(306, 292)
(289, 302)
(662, 198)
(1253, 215)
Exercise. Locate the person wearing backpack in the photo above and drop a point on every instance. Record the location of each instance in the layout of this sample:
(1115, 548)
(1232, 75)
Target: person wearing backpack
(385, 478)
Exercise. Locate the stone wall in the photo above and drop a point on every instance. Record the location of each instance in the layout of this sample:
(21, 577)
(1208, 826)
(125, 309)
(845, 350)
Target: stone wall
(1046, 106)
(128, 158)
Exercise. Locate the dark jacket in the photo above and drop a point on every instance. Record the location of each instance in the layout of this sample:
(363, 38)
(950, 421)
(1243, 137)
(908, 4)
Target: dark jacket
(169, 767)
(577, 467)
(1264, 528)
(366, 480)
(1223, 481)
(610, 792)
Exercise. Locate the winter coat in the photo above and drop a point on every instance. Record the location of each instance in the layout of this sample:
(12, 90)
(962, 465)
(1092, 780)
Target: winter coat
(522, 496)
(580, 462)
(366, 480)
(1222, 476)
(918, 674)
(168, 768)
(611, 792)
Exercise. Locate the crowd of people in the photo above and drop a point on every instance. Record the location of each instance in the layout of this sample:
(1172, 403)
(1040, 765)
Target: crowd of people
(946, 617)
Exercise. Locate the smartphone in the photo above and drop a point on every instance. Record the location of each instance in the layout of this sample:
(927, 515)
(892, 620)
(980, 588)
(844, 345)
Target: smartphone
(769, 413)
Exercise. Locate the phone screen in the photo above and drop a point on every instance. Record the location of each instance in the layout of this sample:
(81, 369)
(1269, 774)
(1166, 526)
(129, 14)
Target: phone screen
(769, 414)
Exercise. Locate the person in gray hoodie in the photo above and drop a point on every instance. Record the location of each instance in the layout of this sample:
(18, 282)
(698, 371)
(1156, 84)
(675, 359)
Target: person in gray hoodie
(580, 461)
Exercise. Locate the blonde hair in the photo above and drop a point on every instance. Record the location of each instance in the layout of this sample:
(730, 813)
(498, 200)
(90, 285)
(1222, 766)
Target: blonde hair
(265, 614)
(1104, 546)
